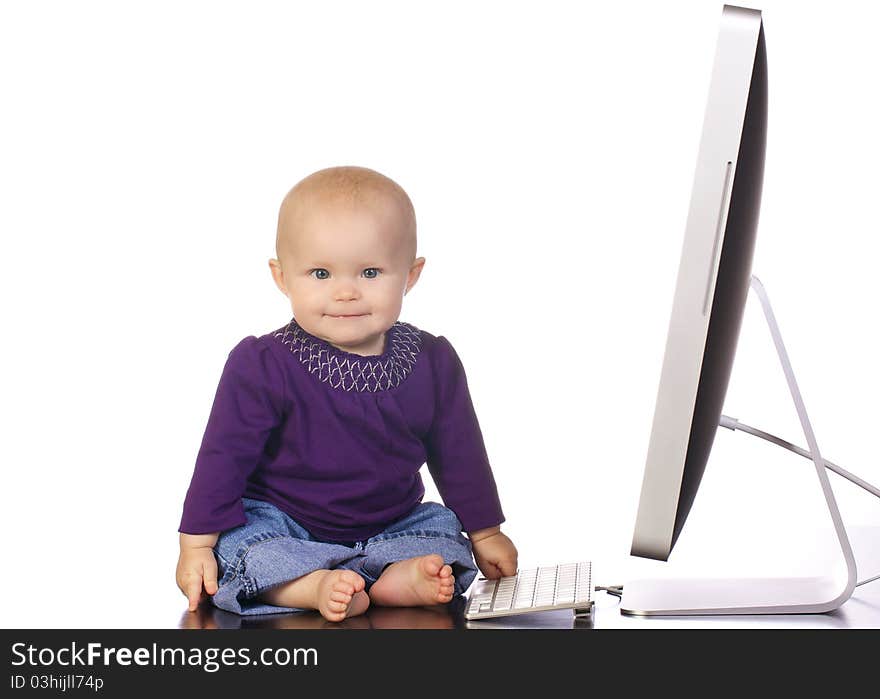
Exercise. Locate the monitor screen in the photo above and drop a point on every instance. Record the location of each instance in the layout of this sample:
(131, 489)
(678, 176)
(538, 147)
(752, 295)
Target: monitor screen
(712, 285)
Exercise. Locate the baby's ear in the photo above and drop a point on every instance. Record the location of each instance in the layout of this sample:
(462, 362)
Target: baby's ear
(415, 272)
(277, 275)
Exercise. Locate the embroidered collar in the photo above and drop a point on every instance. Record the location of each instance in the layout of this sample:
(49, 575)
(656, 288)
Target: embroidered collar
(353, 372)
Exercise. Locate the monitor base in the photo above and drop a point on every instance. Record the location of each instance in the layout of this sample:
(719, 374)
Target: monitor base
(730, 596)
(757, 595)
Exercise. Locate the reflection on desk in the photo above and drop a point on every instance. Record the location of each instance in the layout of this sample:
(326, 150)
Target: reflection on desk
(441, 616)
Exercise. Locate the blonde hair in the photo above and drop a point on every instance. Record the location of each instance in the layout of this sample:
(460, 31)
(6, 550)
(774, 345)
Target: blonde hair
(347, 183)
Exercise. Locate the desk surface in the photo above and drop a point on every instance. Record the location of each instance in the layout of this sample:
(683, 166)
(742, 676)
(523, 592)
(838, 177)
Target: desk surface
(862, 610)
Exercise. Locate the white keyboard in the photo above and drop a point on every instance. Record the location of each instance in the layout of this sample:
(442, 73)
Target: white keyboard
(564, 586)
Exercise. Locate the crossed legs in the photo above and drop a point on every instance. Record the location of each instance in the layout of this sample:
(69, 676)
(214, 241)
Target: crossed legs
(339, 593)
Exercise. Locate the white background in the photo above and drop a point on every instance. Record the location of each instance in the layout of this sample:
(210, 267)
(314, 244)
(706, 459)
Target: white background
(549, 149)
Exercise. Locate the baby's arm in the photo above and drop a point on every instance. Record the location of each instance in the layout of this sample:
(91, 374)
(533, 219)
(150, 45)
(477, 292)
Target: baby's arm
(495, 554)
(248, 406)
(196, 565)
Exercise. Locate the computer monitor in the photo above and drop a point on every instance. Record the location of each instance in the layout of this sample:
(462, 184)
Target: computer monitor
(710, 295)
(712, 286)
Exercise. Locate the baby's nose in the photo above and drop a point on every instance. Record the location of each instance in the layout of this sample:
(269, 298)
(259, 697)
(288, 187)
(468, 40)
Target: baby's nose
(346, 292)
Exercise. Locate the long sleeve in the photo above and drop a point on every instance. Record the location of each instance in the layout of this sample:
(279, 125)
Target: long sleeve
(248, 405)
(457, 457)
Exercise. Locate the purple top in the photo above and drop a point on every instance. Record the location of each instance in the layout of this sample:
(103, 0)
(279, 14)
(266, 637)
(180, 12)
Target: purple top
(336, 440)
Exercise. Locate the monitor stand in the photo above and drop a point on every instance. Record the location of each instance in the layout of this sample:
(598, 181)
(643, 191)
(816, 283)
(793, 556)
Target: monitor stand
(686, 597)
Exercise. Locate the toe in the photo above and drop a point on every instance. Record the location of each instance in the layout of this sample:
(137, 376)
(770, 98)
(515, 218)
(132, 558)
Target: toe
(445, 571)
(353, 579)
(342, 587)
(432, 564)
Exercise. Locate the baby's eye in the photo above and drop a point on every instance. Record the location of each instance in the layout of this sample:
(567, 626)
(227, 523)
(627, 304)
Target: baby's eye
(371, 272)
(320, 273)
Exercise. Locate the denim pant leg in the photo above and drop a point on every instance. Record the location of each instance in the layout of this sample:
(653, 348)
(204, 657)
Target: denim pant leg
(268, 550)
(429, 528)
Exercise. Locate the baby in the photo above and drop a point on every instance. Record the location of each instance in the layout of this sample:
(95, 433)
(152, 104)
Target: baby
(306, 491)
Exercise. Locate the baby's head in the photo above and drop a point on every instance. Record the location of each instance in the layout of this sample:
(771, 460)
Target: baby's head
(346, 255)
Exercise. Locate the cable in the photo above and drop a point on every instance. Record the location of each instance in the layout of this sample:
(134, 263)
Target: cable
(616, 590)
(876, 577)
(733, 424)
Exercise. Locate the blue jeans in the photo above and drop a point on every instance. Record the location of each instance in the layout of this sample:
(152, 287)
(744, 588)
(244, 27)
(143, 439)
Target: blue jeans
(271, 549)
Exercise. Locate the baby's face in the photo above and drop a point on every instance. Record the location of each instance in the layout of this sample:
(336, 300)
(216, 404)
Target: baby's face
(346, 268)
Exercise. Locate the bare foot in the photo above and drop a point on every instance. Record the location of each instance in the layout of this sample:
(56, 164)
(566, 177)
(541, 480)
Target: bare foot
(414, 582)
(337, 594)
(341, 594)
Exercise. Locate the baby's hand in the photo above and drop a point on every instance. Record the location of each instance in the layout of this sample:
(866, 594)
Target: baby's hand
(495, 554)
(195, 566)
